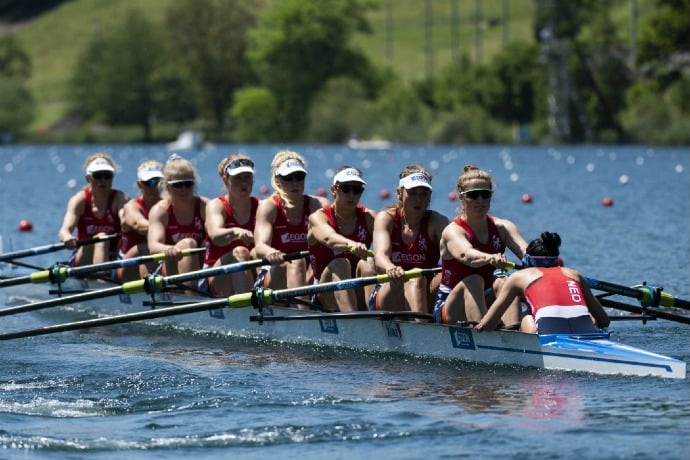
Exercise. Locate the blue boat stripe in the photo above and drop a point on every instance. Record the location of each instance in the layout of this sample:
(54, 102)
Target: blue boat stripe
(586, 358)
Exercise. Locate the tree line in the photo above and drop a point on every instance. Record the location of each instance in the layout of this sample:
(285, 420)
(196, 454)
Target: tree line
(287, 71)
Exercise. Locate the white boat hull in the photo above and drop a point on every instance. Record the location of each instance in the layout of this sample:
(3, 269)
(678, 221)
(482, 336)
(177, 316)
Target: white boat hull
(595, 354)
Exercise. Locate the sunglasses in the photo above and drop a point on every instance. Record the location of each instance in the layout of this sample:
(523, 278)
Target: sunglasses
(152, 183)
(294, 177)
(185, 183)
(478, 192)
(240, 162)
(347, 188)
(102, 175)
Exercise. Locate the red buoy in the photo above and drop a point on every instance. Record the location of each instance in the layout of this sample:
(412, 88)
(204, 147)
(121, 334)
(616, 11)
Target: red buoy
(263, 190)
(453, 196)
(321, 191)
(607, 201)
(526, 198)
(384, 194)
(25, 225)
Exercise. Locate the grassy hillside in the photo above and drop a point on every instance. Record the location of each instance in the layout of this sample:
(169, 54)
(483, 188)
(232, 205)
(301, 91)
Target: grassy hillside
(55, 39)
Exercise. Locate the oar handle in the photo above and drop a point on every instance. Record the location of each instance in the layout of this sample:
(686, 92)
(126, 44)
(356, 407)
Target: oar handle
(52, 247)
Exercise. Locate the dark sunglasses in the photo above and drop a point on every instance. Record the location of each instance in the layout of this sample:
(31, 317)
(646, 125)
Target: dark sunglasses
(152, 183)
(181, 183)
(478, 192)
(102, 175)
(294, 177)
(347, 188)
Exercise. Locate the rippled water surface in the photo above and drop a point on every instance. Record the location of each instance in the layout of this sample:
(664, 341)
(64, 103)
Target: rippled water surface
(144, 392)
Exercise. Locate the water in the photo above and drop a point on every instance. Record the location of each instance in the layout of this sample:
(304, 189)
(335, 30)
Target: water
(148, 392)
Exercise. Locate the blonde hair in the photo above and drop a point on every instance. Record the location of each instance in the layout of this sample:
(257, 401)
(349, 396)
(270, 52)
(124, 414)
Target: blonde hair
(280, 158)
(179, 167)
(96, 155)
(470, 173)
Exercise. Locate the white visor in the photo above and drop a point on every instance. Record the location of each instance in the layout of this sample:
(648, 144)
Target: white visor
(290, 166)
(149, 172)
(348, 175)
(415, 180)
(99, 164)
(239, 166)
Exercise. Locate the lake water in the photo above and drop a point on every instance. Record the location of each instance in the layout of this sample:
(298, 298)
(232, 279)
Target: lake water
(145, 392)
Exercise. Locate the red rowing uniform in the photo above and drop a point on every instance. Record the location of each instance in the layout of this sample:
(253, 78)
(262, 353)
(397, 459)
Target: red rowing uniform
(423, 252)
(455, 271)
(131, 238)
(320, 255)
(555, 295)
(289, 237)
(175, 231)
(214, 252)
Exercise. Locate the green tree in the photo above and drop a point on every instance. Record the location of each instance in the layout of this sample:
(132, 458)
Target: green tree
(255, 113)
(209, 37)
(299, 45)
(17, 107)
(114, 77)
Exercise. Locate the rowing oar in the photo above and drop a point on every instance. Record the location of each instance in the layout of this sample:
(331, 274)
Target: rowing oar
(644, 311)
(60, 273)
(648, 296)
(150, 284)
(246, 299)
(53, 247)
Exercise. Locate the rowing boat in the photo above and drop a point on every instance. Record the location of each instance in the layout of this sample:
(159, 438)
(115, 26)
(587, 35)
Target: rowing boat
(387, 332)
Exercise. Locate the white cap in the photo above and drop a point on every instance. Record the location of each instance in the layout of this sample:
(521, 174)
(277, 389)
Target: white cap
(348, 175)
(99, 164)
(239, 166)
(149, 172)
(290, 166)
(415, 180)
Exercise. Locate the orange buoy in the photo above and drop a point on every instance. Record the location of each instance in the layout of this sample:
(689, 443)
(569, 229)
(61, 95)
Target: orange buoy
(607, 201)
(263, 190)
(526, 198)
(384, 194)
(25, 225)
(453, 196)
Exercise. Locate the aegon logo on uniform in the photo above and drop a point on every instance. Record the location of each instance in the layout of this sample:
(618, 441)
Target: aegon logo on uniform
(409, 258)
(293, 238)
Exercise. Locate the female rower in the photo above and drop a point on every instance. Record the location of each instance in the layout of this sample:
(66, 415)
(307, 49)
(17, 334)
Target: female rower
(472, 246)
(559, 298)
(281, 223)
(177, 221)
(406, 236)
(135, 219)
(230, 220)
(339, 238)
(94, 211)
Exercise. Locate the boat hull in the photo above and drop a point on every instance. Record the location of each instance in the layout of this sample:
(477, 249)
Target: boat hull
(593, 353)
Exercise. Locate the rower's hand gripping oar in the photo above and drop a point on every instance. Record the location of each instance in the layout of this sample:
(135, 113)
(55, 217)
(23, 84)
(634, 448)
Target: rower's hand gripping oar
(150, 284)
(59, 273)
(648, 296)
(53, 247)
(234, 301)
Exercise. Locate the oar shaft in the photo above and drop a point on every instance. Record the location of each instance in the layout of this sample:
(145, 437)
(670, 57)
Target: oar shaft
(644, 311)
(645, 294)
(52, 248)
(119, 319)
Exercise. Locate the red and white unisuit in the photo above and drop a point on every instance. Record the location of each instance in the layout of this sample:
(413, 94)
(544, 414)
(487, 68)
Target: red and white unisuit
(453, 271)
(288, 237)
(175, 231)
(214, 252)
(320, 255)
